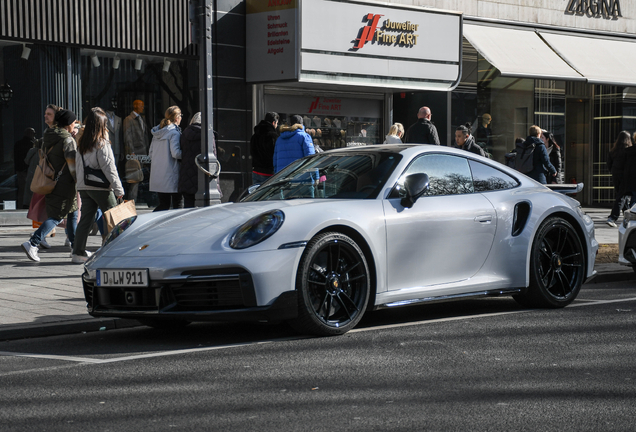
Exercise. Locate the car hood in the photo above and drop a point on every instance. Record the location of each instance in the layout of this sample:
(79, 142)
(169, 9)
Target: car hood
(192, 231)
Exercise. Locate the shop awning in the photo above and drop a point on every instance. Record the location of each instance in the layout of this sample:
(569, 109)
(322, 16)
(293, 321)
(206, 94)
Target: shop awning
(519, 53)
(599, 60)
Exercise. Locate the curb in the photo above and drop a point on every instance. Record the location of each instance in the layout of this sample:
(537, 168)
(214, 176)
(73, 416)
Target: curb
(619, 276)
(14, 332)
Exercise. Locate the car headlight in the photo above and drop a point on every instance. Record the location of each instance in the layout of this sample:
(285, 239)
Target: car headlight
(257, 229)
(119, 228)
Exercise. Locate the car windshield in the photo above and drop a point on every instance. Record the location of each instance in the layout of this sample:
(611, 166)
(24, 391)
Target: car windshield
(330, 175)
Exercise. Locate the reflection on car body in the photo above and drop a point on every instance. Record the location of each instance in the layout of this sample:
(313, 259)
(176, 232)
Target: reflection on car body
(346, 231)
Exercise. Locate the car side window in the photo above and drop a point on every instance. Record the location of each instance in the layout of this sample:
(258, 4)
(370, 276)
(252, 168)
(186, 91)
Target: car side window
(487, 178)
(448, 175)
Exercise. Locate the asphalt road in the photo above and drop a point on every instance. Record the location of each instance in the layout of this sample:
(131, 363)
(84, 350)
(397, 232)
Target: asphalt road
(477, 365)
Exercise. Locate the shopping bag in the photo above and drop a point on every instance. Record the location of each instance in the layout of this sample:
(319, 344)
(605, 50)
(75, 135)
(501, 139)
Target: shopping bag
(118, 213)
(37, 208)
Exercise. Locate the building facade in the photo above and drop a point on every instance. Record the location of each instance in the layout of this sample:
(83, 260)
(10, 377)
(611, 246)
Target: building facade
(563, 64)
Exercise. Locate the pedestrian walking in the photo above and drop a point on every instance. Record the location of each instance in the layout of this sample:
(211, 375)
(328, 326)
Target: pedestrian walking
(94, 152)
(292, 144)
(616, 163)
(262, 145)
(423, 131)
(541, 166)
(554, 153)
(165, 155)
(396, 132)
(61, 202)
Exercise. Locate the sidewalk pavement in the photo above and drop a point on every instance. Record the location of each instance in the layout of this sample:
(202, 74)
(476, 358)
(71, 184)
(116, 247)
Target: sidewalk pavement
(46, 298)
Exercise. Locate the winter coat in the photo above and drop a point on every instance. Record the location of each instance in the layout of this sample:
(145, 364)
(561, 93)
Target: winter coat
(616, 164)
(165, 155)
(262, 145)
(292, 144)
(392, 139)
(190, 148)
(422, 132)
(541, 166)
(471, 146)
(62, 200)
(100, 157)
(628, 183)
(32, 158)
(554, 154)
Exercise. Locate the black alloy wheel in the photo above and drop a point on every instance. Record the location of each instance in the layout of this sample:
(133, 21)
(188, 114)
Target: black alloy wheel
(557, 266)
(333, 285)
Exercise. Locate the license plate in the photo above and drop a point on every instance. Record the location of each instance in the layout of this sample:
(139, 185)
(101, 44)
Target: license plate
(122, 278)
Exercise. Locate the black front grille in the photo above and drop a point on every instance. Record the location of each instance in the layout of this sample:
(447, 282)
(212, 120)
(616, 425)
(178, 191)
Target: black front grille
(228, 289)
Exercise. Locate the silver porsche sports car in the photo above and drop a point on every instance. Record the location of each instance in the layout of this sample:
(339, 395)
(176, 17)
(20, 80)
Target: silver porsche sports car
(627, 239)
(344, 232)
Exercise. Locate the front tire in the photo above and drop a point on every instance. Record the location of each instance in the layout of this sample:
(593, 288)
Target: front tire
(333, 284)
(557, 266)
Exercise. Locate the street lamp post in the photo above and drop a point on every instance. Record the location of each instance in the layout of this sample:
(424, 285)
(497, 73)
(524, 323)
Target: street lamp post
(207, 193)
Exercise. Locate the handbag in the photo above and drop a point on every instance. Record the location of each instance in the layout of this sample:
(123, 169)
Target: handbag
(134, 174)
(118, 213)
(44, 178)
(94, 177)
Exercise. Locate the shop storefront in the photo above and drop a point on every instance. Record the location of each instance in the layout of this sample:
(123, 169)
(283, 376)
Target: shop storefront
(338, 64)
(123, 60)
(565, 66)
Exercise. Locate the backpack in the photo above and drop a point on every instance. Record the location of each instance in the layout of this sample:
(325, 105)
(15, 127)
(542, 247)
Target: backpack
(524, 158)
(45, 178)
(510, 159)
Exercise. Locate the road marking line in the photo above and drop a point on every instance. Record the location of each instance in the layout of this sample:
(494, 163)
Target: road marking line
(584, 302)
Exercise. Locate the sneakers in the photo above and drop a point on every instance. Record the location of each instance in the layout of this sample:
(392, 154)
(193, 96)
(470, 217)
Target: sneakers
(67, 242)
(31, 251)
(80, 259)
(44, 244)
(611, 222)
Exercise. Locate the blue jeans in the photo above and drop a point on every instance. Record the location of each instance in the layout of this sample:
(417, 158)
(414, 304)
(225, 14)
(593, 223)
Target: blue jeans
(48, 225)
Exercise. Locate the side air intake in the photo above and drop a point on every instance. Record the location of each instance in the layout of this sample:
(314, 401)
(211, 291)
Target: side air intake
(522, 212)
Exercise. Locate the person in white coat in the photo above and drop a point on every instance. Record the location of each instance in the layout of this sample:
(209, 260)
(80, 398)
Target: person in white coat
(94, 151)
(165, 154)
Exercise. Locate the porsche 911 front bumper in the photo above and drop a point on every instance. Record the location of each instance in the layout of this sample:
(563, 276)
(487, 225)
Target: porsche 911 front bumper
(222, 295)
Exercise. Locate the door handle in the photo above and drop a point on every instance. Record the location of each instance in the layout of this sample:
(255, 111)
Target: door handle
(485, 219)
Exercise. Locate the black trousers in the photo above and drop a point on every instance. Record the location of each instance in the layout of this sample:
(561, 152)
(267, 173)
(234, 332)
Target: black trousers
(166, 200)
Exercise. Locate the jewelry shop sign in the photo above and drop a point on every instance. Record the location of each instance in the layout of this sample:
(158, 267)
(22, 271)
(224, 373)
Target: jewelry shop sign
(352, 42)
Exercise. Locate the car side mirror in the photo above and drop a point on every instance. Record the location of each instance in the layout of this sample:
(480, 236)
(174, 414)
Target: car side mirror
(414, 186)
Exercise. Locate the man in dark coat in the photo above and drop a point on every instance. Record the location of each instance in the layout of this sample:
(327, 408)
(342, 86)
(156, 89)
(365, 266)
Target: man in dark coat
(422, 131)
(262, 146)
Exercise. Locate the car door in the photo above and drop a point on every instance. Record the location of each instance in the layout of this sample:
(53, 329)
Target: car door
(448, 233)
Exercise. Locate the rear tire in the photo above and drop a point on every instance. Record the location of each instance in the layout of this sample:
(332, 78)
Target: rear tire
(333, 284)
(557, 266)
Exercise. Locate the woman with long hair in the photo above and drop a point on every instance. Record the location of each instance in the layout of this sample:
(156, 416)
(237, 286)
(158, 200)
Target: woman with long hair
(165, 154)
(396, 133)
(554, 153)
(94, 151)
(616, 166)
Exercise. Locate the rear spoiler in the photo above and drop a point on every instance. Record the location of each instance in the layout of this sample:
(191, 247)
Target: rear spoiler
(571, 188)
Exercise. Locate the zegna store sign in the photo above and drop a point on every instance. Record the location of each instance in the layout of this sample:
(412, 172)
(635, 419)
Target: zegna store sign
(595, 8)
(351, 42)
